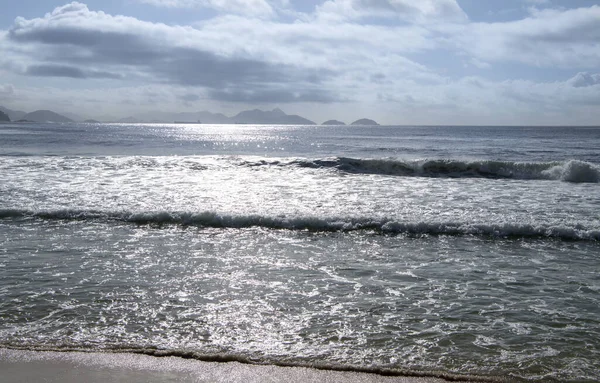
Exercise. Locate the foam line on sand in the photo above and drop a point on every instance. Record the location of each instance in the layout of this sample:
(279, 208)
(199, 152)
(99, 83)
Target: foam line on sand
(18, 366)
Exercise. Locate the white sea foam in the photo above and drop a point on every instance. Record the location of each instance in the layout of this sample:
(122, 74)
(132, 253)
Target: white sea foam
(574, 171)
(143, 365)
(316, 224)
(569, 171)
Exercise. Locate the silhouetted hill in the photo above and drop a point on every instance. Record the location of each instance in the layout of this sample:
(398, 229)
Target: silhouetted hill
(4, 117)
(333, 122)
(45, 116)
(14, 115)
(364, 121)
(276, 116)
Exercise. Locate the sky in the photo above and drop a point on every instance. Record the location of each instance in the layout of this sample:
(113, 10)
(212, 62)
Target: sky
(427, 62)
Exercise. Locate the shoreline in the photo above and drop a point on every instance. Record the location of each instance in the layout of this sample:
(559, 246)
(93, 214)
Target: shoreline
(18, 365)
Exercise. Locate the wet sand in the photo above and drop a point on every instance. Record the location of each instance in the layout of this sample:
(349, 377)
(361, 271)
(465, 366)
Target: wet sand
(18, 366)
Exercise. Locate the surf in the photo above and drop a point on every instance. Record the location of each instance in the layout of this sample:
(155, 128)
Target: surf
(574, 171)
(213, 219)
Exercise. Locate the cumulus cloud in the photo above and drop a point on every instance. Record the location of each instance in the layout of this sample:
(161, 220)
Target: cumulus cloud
(584, 79)
(72, 39)
(408, 10)
(246, 7)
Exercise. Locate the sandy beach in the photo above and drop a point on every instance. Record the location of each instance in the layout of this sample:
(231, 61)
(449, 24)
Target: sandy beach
(31, 366)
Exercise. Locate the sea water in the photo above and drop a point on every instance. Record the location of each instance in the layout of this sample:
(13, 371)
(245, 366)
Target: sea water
(446, 250)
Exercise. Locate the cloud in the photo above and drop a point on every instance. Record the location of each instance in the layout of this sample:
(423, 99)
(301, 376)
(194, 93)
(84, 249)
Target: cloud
(189, 97)
(227, 56)
(468, 100)
(6, 90)
(407, 10)
(584, 79)
(94, 102)
(282, 96)
(245, 7)
(339, 58)
(67, 71)
(548, 38)
(72, 38)
(538, 2)
(563, 99)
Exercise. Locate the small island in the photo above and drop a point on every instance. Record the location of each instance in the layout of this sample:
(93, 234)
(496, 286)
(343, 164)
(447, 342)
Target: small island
(333, 122)
(365, 122)
(91, 121)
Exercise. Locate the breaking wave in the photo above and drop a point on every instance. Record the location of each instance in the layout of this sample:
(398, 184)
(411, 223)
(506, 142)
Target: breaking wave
(568, 171)
(574, 171)
(316, 224)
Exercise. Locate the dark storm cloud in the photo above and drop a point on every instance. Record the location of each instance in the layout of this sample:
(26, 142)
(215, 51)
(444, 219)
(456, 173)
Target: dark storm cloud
(68, 48)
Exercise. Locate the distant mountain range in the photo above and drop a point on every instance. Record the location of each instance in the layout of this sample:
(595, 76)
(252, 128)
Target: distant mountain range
(37, 116)
(255, 116)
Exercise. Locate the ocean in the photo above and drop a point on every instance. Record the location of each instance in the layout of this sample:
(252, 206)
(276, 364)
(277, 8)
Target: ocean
(470, 251)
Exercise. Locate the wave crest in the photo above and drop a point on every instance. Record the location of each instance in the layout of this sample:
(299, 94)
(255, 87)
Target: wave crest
(568, 171)
(316, 224)
(574, 171)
